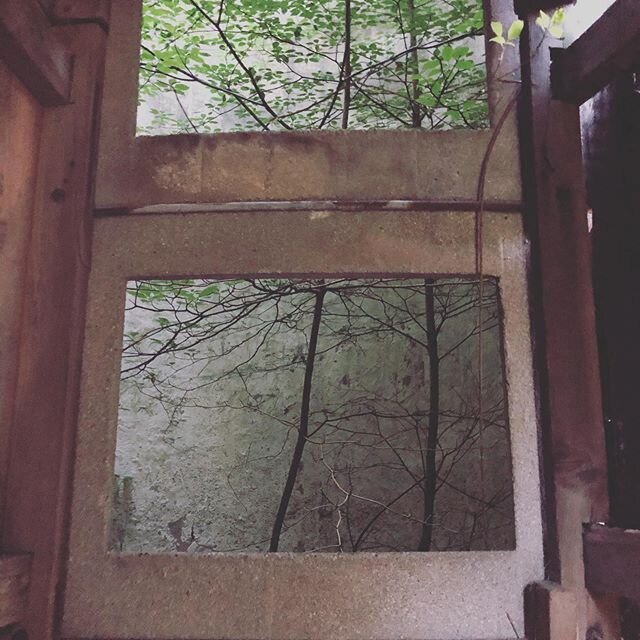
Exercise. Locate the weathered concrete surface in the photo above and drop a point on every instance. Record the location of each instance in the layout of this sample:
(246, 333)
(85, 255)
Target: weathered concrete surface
(143, 171)
(311, 165)
(284, 596)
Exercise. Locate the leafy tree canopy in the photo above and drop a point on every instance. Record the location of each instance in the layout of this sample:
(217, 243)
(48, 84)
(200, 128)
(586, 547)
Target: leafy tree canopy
(313, 64)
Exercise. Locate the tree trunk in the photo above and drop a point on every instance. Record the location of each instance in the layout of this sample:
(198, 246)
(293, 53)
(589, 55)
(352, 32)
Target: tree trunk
(346, 65)
(303, 429)
(429, 454)
(414, 66)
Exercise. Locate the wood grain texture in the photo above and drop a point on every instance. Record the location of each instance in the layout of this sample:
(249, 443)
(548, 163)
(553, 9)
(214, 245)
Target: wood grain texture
(34, 52)
(572, 433)
(20, 117)
(14, 584)
(82, 12)
(41, 439)
(612, 561)
(610, 46)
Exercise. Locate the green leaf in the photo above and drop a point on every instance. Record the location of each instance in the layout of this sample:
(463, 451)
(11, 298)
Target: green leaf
(497, 28)
(543, 20)
(556, 31)
(515, 30)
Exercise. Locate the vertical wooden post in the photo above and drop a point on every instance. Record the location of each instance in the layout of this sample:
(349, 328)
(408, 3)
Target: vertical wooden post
(571, 409)
(612, 151)
(41, 438)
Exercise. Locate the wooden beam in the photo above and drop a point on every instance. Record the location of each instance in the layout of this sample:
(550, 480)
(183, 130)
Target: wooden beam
(527, 7)
(563, 319)
(612, 561)
(549, 611)
(611, 45)
(611, 134)
(82, 12)
(33, 51)
(15, 571)
(42, 434)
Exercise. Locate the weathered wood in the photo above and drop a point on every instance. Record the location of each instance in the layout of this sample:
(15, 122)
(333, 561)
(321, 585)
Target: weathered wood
(611, 130)
(612, 135)
(82, 12)
(526, 7)
(549, 612)
(41, 443)
(611, 45)
(32, 49)
(612, 561)
(20, 117)
(571, 409)
(15, 572)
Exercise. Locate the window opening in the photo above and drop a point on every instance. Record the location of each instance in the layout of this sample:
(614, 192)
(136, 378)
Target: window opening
(335, 415)
(267, 65)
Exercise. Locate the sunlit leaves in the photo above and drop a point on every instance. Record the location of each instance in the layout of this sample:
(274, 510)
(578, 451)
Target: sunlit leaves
(268, 64)
(515, 30)
(513, 33)
(552, 24)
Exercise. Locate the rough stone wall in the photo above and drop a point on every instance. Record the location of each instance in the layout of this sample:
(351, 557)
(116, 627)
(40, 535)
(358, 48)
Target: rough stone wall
(206, 433)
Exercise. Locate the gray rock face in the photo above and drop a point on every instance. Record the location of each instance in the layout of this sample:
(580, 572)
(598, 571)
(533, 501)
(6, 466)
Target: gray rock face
(394, 443)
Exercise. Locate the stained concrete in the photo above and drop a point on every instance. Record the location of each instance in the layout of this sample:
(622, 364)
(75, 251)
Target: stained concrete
(147, 170)
(293, 596)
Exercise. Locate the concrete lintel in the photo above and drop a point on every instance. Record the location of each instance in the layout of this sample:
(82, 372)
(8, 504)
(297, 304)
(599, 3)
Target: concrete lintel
(309, 165)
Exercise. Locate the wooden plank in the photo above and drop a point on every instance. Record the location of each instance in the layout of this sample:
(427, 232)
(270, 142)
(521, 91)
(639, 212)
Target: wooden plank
(33, 51)
(15, 570)
(612, 561)
(612, 154)
(572, 436)
(611, 45)
(41, 445)
(549, 612)
(20, 118)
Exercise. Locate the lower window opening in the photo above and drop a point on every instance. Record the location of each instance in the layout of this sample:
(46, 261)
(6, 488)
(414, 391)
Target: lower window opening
(319, 415)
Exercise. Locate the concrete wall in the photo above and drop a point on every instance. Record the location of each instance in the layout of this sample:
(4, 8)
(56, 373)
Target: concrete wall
(206, 433)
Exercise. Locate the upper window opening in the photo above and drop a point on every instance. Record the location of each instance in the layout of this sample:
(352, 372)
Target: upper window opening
(271, 65)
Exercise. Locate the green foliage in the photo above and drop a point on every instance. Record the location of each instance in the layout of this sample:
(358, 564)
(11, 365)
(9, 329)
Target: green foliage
(551, 25)
(301, 64)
